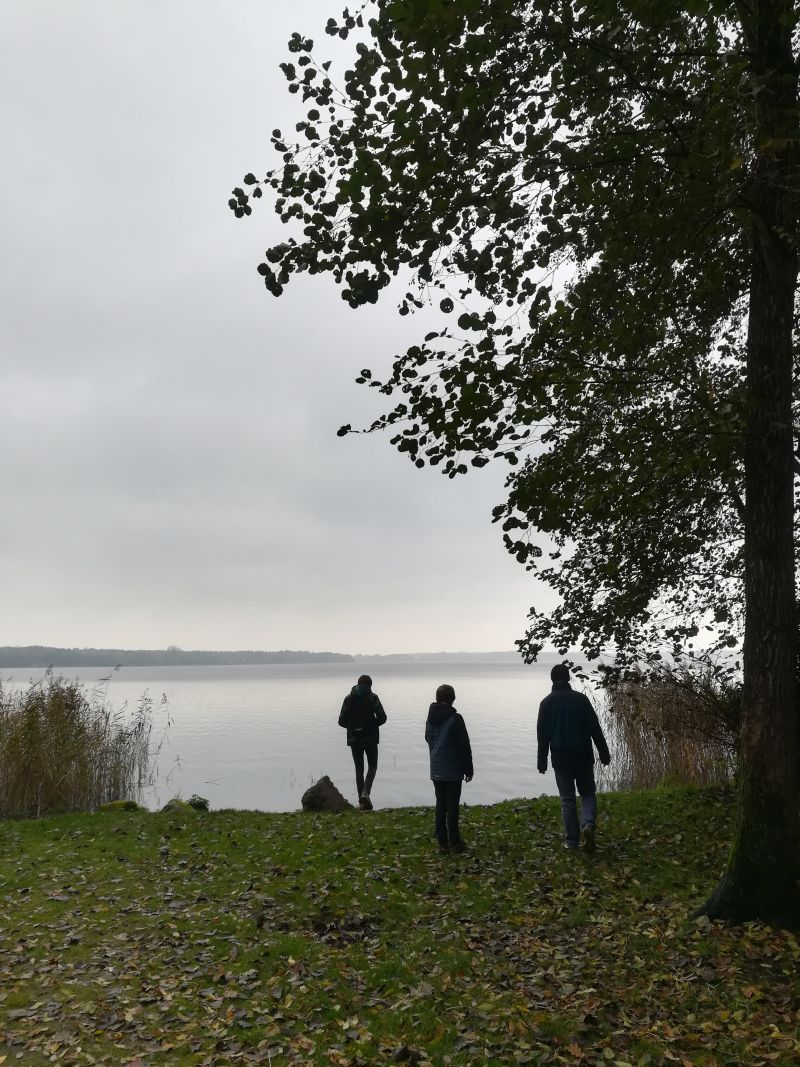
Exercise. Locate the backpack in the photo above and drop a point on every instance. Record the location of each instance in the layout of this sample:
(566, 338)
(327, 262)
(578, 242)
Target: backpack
(361, 714)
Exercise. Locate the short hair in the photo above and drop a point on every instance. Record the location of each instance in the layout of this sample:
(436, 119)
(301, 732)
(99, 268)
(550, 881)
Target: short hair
(445, 694)
(365, 680)
(559, 673)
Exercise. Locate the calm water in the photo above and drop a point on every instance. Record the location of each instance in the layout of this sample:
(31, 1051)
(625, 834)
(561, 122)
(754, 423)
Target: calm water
(257, 737)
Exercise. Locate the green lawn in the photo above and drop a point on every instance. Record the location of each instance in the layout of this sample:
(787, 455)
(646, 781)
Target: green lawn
(243, 937)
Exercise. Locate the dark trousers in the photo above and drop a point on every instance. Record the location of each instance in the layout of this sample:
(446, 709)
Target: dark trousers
(370, 750)
(448, 794)
(566, 780)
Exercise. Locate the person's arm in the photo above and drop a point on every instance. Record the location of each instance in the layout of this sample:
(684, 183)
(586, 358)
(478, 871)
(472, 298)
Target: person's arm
(377, 707)
(465, 749)
(344, 713)
(596, 733)
(542, 738)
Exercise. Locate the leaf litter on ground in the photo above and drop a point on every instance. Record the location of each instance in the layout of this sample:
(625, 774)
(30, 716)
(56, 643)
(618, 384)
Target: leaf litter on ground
(252, 938)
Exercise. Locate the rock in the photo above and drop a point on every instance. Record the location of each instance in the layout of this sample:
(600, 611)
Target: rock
(406, 1054)
(324, 796)
(178, 807)
(121, 805)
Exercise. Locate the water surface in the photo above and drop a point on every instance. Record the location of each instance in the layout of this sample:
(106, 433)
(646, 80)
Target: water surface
(258, 736)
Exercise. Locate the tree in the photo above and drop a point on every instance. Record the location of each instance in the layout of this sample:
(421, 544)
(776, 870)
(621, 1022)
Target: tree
(602, 199)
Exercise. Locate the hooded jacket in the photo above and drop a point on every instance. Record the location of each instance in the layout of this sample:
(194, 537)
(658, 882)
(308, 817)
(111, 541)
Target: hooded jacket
(448, 742)
(566, 726)
(361, 715)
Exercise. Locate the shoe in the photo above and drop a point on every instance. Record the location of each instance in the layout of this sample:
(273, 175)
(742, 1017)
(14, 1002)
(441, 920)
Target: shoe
(569, 847)
(364, 802)
(458, 847)
(444, 850)
(587, 839)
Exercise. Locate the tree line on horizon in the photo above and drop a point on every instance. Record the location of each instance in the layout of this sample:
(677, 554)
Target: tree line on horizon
(46, 656)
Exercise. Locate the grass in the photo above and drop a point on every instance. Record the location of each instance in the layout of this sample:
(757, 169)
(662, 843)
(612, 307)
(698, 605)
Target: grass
(243, 937)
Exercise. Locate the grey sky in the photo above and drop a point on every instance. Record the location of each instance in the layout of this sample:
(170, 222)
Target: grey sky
(172, 473)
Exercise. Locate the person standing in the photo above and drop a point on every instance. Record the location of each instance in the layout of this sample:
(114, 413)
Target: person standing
(451, 763)
(362, 714)
(566, 727)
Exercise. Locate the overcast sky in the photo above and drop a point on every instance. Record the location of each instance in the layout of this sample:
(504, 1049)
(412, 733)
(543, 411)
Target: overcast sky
(172, 473)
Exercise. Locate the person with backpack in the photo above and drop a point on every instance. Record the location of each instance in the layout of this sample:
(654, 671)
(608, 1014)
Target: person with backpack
(451, 764)
(362, 714)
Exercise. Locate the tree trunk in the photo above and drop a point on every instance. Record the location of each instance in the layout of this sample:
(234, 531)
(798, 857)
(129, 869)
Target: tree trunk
(762, 879)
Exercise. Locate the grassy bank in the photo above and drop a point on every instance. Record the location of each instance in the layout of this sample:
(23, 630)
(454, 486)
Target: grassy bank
(239, 937)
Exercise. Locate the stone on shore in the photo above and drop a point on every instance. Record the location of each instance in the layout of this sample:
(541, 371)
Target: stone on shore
(178, 807)
(324, 796)
(121, 805)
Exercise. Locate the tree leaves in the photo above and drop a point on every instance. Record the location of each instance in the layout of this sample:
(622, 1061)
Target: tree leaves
(568, 172)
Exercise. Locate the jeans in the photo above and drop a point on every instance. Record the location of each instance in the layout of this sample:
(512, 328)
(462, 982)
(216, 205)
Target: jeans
(370, 750)
(448, 795)
(566, 782)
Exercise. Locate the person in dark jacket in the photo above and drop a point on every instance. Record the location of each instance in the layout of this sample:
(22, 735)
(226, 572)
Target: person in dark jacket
(566, 727)
(451, 763)
(362, 714)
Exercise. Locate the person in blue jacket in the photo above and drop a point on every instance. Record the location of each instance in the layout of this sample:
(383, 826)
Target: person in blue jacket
(566, 727)
(451, 763)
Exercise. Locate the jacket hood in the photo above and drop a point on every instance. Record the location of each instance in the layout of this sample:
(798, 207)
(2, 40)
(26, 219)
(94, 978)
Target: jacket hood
(437, 713)
(561, 686)
(360, 691)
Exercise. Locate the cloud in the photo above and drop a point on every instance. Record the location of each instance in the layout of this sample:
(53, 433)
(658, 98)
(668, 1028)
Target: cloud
(172, 467)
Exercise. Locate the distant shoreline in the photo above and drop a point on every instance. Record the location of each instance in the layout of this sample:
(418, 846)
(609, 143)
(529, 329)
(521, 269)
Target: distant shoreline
(46, 656)
(43, 656)
(440, 657)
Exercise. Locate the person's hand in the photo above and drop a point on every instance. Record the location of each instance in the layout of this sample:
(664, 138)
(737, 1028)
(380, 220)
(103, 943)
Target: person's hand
(467, 777)
(542, 768)
(605, 762)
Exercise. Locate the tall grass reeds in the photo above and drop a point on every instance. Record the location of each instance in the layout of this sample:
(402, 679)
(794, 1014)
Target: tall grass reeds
(679, 727)
(62, 749)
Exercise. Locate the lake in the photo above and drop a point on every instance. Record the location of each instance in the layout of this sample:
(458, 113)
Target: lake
(258, 736)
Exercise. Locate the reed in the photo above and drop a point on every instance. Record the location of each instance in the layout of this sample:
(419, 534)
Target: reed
(63, 749)
(680, 727)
